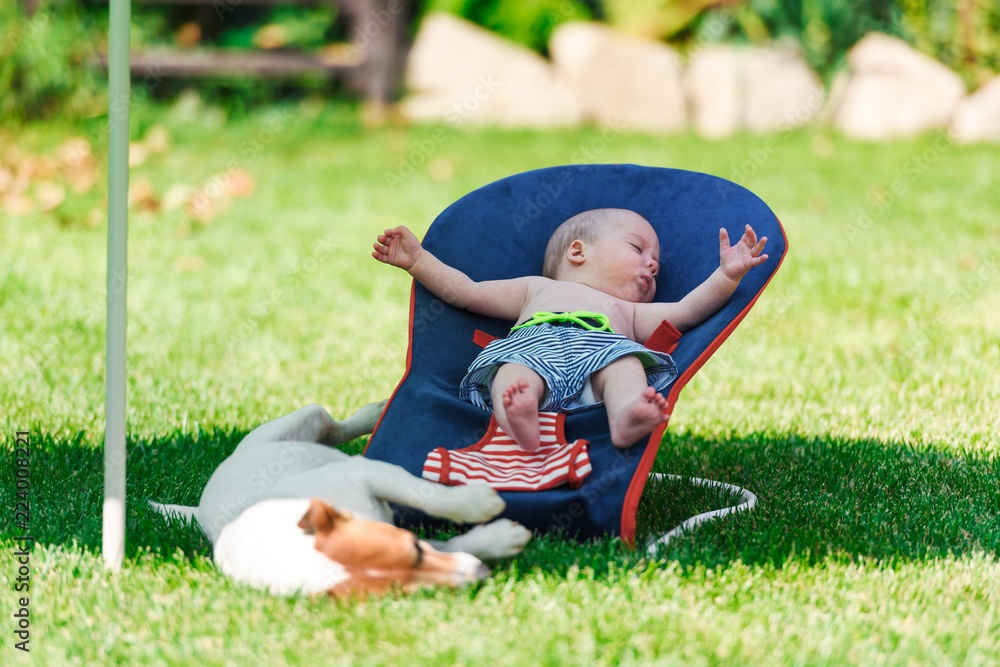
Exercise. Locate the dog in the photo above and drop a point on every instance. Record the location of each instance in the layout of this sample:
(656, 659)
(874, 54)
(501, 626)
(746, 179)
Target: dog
(288, 513)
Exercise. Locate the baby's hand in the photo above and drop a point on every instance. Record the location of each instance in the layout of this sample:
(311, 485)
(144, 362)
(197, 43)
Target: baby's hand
(398, 247)
(740, 258)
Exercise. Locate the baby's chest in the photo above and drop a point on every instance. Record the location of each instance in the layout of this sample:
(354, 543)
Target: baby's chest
(619, 313)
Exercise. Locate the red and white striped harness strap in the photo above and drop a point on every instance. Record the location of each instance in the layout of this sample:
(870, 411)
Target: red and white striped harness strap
(498, 461)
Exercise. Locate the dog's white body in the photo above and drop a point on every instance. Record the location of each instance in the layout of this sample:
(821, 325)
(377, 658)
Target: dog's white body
(251, 506)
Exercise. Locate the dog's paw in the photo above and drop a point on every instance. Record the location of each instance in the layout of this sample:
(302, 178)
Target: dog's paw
(473, 503)
(368, 416)
(500, 539)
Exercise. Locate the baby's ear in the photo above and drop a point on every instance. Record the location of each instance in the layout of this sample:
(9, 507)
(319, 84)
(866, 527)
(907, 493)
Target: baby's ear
(577, 252)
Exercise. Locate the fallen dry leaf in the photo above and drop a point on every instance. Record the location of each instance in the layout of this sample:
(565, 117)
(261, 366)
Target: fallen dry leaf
(83, 180)
(340, 54)
(204, 208)
(189, 263)
(142, 196)
(18, 204)
(157, 140)
(95, 217)
(178, 195)
(74, 153)
(441, 169)
(49, 195)
(6, 180)
(242, 184)
(37, 166)
(188, 35)
(137, 154)
(12, 156)
(270, 36)
(201, 209)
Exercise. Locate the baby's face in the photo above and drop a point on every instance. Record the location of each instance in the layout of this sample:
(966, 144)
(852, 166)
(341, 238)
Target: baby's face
(626, 259)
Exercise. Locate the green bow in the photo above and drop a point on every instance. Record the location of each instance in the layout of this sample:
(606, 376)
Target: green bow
(579, 317)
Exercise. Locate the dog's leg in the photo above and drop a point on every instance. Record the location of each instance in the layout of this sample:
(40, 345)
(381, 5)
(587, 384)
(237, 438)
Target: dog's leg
(462, 504)
(495, 541)
(314, 424)
(360, 423)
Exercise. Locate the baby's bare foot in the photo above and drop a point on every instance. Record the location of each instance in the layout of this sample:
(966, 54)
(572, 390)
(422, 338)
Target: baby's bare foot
(521, 408)
(639, 420)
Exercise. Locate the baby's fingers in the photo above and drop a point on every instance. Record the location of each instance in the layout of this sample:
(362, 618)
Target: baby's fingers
(759, 248)
(723, 239)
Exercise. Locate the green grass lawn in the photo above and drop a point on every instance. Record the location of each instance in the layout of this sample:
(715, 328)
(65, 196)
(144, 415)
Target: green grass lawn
(860, 400)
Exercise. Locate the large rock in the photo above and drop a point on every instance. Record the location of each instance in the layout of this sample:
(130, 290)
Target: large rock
(761, 89)
(978, 116)
(894, 91)
(714, 85)
(460, 73)
(619, 79)
(782, 91)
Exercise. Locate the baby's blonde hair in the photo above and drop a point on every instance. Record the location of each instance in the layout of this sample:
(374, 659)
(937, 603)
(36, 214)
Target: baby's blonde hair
(587, 227)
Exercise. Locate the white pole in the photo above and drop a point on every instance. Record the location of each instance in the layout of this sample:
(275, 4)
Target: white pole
(119, 90)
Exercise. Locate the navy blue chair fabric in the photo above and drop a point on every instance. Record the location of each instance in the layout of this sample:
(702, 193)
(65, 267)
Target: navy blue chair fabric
(500, 231)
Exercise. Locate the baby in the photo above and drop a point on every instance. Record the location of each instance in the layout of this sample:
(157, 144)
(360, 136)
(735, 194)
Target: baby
(574, 344)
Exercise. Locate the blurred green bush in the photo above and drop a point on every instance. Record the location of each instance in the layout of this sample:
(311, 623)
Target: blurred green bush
(964, 35)
(46, 61)
(528, 23)
(43, 62)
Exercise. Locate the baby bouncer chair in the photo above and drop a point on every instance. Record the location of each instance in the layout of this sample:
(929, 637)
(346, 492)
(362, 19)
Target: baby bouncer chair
(579, 481)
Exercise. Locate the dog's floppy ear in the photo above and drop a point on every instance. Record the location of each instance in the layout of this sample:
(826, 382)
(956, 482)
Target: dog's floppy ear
(322, 518)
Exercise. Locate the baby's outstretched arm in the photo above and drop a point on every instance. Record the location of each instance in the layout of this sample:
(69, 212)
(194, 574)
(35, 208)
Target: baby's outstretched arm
(707, 298)
(496, 298)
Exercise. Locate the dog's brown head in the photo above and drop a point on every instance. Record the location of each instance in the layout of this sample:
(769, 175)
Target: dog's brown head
(380, 557)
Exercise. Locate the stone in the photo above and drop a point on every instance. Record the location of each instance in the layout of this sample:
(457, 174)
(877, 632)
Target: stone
(978, 116)
(782, 91)
(462, 74)
(713, 83)
(893, 91)
(762, 89)
(631, 82)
